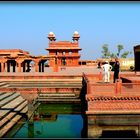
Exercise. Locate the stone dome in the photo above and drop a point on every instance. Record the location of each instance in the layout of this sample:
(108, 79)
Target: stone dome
(76, 32)
(51, 34)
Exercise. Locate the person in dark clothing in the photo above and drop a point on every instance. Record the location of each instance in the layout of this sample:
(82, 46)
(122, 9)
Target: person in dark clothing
(99, 65)
(116, 70)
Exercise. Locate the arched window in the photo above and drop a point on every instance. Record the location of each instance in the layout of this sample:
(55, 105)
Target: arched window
(63, 61)
(56, 52)
(63, 53)
(70, 52)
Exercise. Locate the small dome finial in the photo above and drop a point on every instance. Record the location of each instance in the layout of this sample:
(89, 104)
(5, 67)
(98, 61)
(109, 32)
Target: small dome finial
(75, 32)
(51, 36)
(76, 36)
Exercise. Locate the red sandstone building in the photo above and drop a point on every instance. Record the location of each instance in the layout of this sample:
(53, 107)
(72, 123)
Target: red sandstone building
(65, 52)
(61, 53)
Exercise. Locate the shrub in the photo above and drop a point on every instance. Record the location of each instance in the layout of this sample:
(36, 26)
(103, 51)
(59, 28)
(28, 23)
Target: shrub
(132, 68)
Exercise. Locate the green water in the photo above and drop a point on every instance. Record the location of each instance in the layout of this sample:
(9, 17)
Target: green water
(55, 121)
(65, 126)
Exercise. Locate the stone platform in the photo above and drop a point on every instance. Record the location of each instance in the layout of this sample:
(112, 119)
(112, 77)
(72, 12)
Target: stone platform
(113, 106)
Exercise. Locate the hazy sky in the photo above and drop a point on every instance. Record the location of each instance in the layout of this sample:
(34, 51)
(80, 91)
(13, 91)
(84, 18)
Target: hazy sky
(25, 25)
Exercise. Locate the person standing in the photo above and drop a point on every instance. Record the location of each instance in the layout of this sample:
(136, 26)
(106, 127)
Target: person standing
(106, 68)
(116, 70)
(99, 65)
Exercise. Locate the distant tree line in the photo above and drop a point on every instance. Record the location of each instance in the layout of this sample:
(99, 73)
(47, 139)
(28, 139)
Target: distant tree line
(107, 54)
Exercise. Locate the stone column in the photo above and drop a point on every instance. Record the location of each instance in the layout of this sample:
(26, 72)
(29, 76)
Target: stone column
(36, 65)
(2, 67)
(59, 62)
(28, 66)
(40, 65)
(14, 66)
(24, 66)
(3, 61)
(8, 66)
(43, 66)
(100, 75)
(19, 64)
(118, 85)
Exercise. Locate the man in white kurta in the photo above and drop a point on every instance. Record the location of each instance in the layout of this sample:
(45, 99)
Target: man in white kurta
(106, 68)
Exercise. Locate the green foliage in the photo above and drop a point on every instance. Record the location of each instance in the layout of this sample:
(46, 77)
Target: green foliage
(125, 54)
(112, 55)
(106, 53)
(119, 47)
(131, 68)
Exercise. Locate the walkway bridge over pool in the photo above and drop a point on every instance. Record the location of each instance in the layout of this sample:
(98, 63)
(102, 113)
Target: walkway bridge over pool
(112, 106)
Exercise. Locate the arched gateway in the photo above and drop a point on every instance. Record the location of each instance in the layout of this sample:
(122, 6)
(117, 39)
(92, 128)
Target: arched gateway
(62, 53)
(16, 60)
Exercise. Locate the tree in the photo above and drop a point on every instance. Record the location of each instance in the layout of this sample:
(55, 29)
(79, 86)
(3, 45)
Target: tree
(124, 55)
(106, 53)
(112, 55)
(119, 47)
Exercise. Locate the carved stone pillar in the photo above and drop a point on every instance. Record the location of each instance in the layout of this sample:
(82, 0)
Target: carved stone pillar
(36, 65)
(2, 67)
(3, 61)
(19, 61)
(19, 66)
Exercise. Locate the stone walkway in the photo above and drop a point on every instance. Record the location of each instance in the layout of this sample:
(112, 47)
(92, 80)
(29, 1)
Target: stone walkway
(67, 71)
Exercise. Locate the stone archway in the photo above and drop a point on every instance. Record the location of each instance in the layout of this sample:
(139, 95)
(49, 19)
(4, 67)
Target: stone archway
(11, 63)
(63, 61)
(42, 64)
(32, 66)
(26, 64)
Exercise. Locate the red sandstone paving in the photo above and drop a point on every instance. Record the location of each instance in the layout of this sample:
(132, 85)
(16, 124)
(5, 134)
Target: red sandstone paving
(79, 71)
(106, 89)
(69, 71)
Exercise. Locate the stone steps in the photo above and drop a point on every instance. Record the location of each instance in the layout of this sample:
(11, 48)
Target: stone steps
(52, 83)
(3, 113)
(3, 96)
(24, 110)
(14, 103)
(57, 95)
(50, 79)
(9, 125)
(8, 99)
(1, 93)
(43, 82)
(12, 108)
(47, 81)
(7, 118)
(60, 97)
(22, 106)
(3, 84)
(58, 100)
(46, 84)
